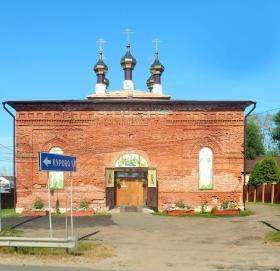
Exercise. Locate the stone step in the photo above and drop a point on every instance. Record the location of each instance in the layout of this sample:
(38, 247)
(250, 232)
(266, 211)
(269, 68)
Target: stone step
(127, 209)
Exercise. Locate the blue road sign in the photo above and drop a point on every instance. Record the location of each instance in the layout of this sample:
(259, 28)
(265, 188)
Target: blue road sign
(56, 162)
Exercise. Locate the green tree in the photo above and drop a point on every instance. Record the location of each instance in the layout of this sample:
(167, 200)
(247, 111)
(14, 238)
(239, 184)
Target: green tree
(255, 174)
(265, 171)
(273, 151)
(276, 129)
(254, 140)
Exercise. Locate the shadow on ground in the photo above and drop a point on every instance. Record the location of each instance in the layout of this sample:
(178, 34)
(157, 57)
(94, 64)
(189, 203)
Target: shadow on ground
(42, 222)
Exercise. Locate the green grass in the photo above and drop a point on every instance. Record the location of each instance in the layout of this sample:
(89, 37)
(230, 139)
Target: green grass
(11, 232)
(96, 214)
(82, 248)
(9, 213)
(275, 205)
(32, 251)
(208, 215)
(85, 246)
(272, 237)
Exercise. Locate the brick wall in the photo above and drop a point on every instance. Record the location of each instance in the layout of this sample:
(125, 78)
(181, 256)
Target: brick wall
(169, 138)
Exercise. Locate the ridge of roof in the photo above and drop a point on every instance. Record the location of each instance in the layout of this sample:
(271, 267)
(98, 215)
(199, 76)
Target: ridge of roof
(129, 100)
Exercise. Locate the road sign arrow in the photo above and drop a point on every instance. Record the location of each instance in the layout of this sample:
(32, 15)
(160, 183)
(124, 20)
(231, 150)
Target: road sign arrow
(56, 162)
(47, 161)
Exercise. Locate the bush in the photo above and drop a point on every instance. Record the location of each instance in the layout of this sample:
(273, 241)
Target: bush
(84, 205)
(265, 171)
(229, 205)
(180, 204)
(225, 205)
(203, 208)
(38, 204)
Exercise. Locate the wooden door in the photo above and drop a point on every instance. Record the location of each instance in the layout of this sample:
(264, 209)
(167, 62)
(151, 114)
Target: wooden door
(130, 192)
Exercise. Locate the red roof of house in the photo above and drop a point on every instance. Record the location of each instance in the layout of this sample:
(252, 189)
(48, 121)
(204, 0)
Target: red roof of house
(251, 163)
(10, 178)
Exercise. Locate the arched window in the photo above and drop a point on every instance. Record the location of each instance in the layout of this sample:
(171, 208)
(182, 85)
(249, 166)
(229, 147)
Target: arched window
(205, 168)
(56, 179)
(131, 160)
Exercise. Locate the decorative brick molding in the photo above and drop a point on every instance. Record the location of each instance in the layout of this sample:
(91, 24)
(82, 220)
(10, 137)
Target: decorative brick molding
(55, 142)
(169, 137)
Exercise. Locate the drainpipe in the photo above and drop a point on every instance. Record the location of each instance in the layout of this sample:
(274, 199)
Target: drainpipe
(244, 162)
(14, 149)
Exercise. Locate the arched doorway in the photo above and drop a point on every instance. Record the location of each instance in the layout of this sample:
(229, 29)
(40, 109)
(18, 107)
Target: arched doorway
(131, 183)
(131, 180)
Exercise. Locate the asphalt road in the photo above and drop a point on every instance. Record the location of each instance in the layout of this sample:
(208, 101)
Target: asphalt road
(151, 243)
(44, 268)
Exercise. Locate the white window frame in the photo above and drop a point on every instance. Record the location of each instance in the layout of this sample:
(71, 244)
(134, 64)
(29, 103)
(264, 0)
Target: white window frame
(58, 176)
(205, 166)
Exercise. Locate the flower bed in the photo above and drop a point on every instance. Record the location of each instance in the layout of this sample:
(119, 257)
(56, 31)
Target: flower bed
(180, 208)
(226, 208)
(34, 213)
(226, 212)
(180, 212)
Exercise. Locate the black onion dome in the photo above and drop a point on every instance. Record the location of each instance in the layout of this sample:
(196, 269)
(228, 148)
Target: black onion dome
(157, 67)
(128, 61)
(100, 67)
(150, 82)
(106, 82)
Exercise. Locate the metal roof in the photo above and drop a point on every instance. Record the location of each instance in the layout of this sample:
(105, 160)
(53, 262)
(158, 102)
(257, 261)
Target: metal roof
(128, 101)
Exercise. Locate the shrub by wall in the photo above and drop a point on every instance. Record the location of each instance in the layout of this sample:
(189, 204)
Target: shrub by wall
(265, 171)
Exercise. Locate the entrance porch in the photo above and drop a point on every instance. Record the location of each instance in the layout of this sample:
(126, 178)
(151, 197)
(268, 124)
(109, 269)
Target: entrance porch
(131, 187)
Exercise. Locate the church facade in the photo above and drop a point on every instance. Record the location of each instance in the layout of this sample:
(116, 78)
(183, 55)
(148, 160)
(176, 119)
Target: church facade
(133, 148)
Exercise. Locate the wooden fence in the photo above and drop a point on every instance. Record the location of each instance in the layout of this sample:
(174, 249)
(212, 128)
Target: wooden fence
(7, 200)
(265, 193)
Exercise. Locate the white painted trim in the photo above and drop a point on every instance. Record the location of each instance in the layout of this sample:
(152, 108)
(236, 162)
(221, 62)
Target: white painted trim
(157, 89)
(128, 84)
(100, 88)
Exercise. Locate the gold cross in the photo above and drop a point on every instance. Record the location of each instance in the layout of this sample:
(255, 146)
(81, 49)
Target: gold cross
(128, 33)
(156, 41)
(100, 42)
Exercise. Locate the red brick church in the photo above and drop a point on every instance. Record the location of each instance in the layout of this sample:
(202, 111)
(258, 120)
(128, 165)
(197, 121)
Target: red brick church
(133, 148)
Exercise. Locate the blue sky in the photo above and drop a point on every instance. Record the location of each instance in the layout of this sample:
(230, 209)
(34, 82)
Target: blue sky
(212, 50)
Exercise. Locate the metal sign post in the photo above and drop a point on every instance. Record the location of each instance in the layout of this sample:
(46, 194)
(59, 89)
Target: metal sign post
(58, 162)
(66, 214)
(50, 216)
(71, 205)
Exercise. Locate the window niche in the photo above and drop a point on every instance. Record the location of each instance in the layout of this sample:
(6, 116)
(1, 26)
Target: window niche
(131, 160)
(205, 168)
(56, 178)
